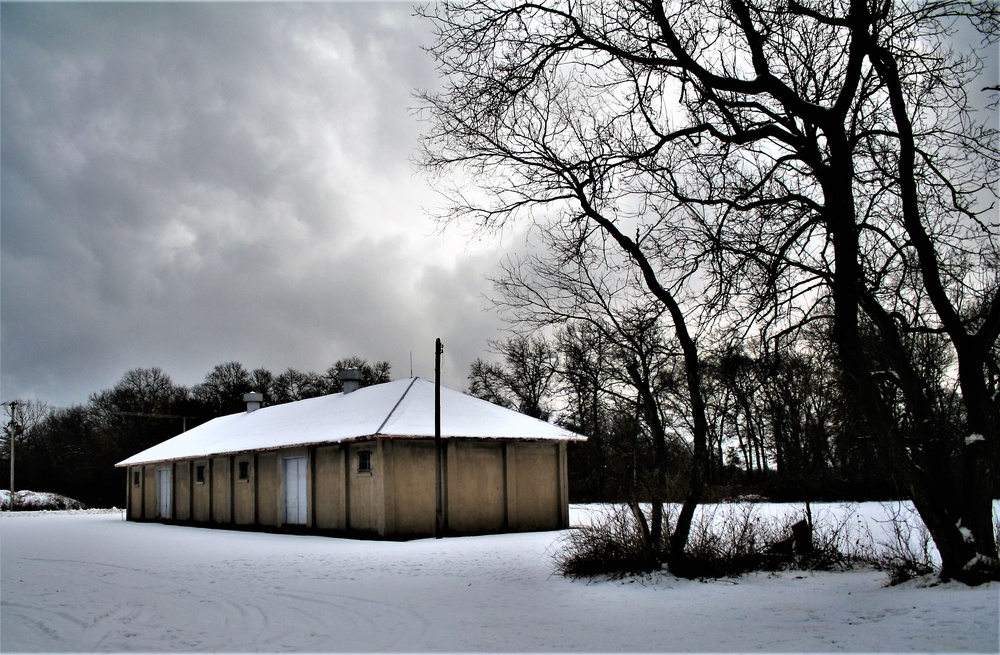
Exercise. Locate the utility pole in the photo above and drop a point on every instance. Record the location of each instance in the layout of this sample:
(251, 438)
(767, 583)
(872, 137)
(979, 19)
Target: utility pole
(11, 434)
(438, 491)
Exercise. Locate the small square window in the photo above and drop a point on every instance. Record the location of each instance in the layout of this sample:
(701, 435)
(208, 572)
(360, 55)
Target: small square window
(135, 478)
(364, 461)
(244, 470)
(199, 474)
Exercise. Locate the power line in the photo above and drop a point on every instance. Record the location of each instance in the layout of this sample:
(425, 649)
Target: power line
(153, 415)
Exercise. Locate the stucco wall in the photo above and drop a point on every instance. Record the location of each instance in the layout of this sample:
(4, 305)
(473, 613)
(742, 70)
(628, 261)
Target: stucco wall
(329, 497)
(135, 502)
(243, 491)
(410, 501)
(202, 502)
(182, 491)
(149, 491)
(488, 486)
(362, 505)
(534, 483)
(221, 490)
(476, 488)
(268, 492)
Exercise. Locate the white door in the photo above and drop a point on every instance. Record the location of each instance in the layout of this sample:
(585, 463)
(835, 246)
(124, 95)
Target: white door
(295, 490)
(163, 493)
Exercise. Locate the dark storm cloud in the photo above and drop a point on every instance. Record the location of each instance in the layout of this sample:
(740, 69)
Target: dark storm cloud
(185, 184)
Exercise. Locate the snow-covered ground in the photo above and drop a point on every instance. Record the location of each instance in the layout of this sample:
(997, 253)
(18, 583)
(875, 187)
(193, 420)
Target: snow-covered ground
(89, 581)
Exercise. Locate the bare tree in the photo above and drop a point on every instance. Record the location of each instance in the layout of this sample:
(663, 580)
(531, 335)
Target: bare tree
(22, 419)
(142, 408)
(224, 388)
(295, 385)
(371, 373)
(487, 380)
(796, 151)
(73, 458)
(263, 380)
(585, 382)
(586, 285)
(523, 381)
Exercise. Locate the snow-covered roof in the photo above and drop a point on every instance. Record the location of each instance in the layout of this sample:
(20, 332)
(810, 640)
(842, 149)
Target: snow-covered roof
(403, 408)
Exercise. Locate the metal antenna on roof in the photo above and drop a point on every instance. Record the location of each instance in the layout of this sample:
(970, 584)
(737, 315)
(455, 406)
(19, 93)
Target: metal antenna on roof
(438, 504)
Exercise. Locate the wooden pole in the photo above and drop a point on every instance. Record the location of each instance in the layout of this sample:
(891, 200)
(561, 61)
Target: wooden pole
(438, 491)
(12, 430)
(13, 438)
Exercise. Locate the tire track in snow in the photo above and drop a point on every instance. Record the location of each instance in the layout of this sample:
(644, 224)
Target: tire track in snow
(355, 623)
(269, 616)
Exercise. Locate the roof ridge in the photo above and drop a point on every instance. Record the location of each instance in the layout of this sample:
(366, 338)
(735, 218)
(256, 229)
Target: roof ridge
(394, 407)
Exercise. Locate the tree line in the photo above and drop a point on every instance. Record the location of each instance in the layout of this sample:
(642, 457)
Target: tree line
(781, 425)
(73, 450)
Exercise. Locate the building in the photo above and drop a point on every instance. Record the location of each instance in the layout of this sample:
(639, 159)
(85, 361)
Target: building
(363, 462)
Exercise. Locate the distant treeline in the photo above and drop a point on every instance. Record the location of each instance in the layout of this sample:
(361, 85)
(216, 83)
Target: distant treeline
(73, 450)
(781, 424)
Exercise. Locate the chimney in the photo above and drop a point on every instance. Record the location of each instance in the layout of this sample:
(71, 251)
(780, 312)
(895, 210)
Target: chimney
(253, 400)
(351, 377)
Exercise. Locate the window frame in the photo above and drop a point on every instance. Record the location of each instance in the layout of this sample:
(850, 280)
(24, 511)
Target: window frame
(364, 461)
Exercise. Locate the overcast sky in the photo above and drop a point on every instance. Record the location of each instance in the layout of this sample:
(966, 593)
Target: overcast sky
(189, 184)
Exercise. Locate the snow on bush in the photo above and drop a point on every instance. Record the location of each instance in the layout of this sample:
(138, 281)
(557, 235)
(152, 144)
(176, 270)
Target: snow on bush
(37, 500)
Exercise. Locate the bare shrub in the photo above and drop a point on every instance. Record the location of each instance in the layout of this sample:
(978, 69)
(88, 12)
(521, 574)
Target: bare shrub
(726, 540)
(611, 544)
(906, 551)
(734, 539)
(731, 539)
(841, 540)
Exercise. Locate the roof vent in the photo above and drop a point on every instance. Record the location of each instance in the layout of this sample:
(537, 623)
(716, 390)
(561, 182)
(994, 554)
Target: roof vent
(253, 400)
(351, 377)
